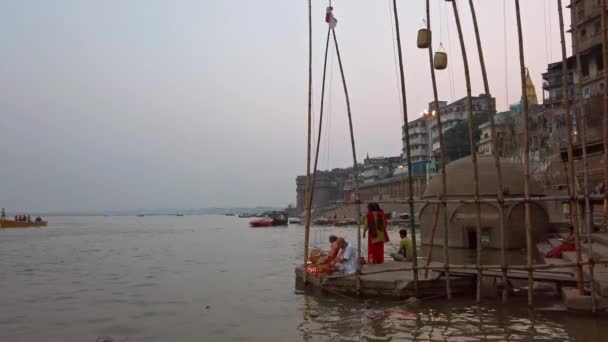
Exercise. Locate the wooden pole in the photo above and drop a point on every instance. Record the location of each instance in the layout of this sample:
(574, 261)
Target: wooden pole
(524, 94)
(443, 194)
(318, 146)
(355, 164)
(605, 137)
(491, 107)
(583, 123)
(571, 165)
(309, 138)
(407, 150)
(432, 242)
(467, 77)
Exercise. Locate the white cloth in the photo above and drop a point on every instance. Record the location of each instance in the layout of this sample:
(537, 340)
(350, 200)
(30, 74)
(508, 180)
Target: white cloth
(349, 262)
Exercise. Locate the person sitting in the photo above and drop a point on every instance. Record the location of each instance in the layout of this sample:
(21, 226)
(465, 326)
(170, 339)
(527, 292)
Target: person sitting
(334, 249)
(347, 262)
(566, 246)
(406, 250)
(38, 219)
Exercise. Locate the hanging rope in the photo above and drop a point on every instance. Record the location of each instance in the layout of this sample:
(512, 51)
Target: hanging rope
(396, 68)
(506, 60)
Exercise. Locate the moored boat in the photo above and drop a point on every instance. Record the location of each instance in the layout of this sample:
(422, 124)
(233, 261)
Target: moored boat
(263, 222)
(21, 224)
(295, 220)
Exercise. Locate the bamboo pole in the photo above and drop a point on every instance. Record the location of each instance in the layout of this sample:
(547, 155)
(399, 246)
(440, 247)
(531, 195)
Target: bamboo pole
(309, 138)
(473, 267)
(528, 218)
(433, 229)
(355, 164)
(467, 77)
(407, 149)
(496, 149)
(318, 146)
(583, 122)
(443, 194)
(605, 136)
(571, 165)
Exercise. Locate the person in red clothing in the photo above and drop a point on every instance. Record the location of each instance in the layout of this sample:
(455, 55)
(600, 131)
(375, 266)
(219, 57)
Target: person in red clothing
(566, 246)
(375, 222)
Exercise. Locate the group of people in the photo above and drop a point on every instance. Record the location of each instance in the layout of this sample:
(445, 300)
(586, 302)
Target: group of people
(343, 257)
(20, 218)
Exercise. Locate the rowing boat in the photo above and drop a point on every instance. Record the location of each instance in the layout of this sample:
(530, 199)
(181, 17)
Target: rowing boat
(20, 224)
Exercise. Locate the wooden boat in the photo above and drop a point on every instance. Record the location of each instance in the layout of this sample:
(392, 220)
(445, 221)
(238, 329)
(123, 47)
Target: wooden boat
(19, 224)
(263, 222)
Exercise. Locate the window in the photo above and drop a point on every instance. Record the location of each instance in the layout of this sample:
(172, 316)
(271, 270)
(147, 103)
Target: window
(586, 92)
(583, 33)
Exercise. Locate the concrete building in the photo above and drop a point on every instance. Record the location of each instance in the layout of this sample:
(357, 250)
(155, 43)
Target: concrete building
(424, 134)
(462, 220)
(587, 42)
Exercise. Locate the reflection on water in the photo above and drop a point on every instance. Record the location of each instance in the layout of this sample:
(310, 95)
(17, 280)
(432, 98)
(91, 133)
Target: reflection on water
(211, 278)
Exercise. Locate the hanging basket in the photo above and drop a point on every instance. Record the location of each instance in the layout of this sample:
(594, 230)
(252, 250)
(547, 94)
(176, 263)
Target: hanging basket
(440, 60)
(425, 38)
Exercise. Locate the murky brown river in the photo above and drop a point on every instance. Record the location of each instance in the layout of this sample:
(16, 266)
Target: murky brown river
(211, 278)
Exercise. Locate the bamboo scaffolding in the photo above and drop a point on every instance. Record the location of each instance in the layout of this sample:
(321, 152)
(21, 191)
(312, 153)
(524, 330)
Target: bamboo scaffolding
(429, 257)
(355, 164)
(474, 267)
(528, 225)
(499, 186)
(571, 166)
(471, 125)
(583, 124)
(309, 137)
(407, 147)
(443, 194)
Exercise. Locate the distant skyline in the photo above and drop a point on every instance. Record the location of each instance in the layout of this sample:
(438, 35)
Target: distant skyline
(119, 105)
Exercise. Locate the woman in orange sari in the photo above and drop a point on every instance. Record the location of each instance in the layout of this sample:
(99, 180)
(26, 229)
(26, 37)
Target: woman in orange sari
(375, 222)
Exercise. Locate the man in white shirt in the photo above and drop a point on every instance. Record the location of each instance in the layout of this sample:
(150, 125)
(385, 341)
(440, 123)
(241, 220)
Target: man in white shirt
(346, 262)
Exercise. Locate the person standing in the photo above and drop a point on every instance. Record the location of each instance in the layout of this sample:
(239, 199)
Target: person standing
(3, 217)
(375, 222)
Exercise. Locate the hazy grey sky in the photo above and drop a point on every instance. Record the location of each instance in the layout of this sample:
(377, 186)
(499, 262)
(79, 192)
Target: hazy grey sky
(124, 104)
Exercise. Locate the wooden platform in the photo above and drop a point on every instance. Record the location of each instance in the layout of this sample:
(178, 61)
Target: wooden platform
(393, 284)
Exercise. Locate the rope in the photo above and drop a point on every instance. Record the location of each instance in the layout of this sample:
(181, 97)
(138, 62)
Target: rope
(450, 70)
(506, 60)
(398, 88)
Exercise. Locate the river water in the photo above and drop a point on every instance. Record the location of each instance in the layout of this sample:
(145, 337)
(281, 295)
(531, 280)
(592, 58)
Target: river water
(211, 278)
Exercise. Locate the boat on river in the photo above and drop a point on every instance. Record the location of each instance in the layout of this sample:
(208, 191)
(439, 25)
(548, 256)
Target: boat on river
(22, 224)
(263, 222)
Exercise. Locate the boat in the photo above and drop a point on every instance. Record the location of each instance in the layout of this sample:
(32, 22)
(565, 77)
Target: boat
(179, 214)
(295, 220)
(229, 214)
(245, 215)
(140, 215)
(345, 222)
(21, 224)
(263, 222)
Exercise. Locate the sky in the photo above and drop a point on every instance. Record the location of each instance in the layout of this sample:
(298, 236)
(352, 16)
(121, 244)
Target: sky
(118, 105)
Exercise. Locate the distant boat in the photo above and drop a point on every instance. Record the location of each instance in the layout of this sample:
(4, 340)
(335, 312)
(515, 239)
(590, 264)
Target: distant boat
(21, 224)
(140, 215)
(179, 214)
(263, 222)
(245, 215)
(229, 214)
(295, 220)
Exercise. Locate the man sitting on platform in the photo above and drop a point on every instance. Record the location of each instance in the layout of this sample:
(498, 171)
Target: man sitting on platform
(405, 248)
(346, 262)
